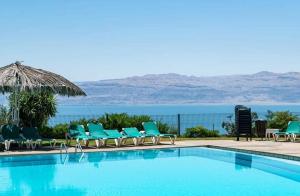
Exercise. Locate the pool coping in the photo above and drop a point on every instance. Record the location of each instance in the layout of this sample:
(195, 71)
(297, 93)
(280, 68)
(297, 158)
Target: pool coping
(255, 152)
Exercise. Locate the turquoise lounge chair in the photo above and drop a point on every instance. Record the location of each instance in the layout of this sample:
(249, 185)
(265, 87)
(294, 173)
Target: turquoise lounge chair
(290, 133)
(78, 132)
(135, 135)
(151, 129)
(97, 131)
(32, 134)
(11, 134)
(117, 136)
(295, 131)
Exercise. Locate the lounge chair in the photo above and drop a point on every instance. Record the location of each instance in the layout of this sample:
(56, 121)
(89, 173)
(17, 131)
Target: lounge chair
(134, 134)
(11, 134)
(117, 136)
(295, 132)
(78, 132)
(32, 134)
(151, 129)
(290, 133)
(97, 131)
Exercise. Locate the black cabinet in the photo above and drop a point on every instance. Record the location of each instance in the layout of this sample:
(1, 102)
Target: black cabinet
(261, 128)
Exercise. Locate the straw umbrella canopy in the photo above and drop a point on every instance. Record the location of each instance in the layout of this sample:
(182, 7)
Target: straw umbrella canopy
(17, 77)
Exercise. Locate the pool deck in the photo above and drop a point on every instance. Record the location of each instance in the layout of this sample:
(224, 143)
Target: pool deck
(286, 150)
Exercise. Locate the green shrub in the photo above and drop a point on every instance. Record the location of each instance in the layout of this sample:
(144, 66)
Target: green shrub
(137, 120)
(200, 131)
(117, 121)
(58, 131)
(35, 107)
(5, 116)
(280, 120)
(165, 128)
(109, 121)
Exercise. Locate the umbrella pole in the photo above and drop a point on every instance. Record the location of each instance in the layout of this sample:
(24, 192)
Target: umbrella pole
(16, 110)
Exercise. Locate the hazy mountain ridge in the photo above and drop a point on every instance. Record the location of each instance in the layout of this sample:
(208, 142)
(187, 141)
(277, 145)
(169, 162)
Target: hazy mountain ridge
(262, 87)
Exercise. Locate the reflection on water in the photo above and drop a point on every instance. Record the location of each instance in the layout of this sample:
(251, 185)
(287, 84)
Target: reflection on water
(243, 161)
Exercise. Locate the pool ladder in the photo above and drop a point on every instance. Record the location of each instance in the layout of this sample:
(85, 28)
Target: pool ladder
(64, 147)
(78, 147)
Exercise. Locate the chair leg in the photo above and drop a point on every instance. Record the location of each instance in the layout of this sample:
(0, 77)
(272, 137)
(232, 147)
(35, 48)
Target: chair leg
(97, 143)
(123, 141)
(7, 145)
(153, 140)
(100, 142)
(142, 140)
(34, 145)
(135, 141)
(293, 137)
(118, 142)
(172, 139)
(104, 142)
(158, 140)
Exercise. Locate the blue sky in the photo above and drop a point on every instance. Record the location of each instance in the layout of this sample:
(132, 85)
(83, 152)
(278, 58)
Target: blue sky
(100, 39)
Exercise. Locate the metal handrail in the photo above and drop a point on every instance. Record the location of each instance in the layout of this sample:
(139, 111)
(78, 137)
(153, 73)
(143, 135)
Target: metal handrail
(78, 146)
(63, 146)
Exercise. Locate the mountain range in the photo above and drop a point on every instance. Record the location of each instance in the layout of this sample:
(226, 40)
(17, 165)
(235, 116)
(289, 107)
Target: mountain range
(262, 88)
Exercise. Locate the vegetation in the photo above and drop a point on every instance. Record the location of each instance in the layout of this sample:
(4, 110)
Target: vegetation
(119, 121)
(35, 108)
(229, 125)
(4, 115)
(58, 131)
(200, 131)
(276, 120)
(280, 120)
(109, 121)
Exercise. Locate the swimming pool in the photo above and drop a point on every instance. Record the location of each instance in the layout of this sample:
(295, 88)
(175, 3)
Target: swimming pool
(193, 171)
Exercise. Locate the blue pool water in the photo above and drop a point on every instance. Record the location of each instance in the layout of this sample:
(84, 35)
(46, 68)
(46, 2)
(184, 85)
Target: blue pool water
(180, 171)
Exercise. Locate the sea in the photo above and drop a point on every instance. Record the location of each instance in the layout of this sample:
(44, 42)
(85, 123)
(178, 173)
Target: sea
(166, 109)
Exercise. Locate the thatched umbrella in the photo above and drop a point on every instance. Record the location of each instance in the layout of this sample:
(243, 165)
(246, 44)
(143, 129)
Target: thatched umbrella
(17, 77)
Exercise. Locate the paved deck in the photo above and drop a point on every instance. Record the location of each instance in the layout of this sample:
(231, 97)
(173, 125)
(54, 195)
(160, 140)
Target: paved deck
(286, 150)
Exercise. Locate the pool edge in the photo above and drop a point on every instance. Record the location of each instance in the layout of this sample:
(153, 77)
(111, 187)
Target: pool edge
(163, 146)
(269, 154)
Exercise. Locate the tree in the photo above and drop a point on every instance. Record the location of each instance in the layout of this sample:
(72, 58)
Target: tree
(280, 120)
(35, 108)
(229, 126)
(4, 115)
